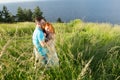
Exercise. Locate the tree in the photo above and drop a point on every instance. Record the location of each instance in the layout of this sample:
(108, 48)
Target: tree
(20, 14)
(24, 15)
(59, 20)
(28, 14)
(5, 15)
(0, 16)
(37, 13)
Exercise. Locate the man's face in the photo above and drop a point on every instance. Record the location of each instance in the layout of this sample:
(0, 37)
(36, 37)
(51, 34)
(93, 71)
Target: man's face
(38, 24)
(42, 22)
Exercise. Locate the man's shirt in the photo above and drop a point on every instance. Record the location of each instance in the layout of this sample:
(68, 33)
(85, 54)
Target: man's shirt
(38, 36)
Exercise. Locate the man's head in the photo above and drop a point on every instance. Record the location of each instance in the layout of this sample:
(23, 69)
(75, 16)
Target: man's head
(39, 21)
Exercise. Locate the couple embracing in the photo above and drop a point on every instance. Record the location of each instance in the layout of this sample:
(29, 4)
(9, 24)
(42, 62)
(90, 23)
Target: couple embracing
(43, 41)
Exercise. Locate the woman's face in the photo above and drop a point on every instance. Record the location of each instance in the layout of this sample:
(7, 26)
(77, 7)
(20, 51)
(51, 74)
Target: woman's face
(47, 29)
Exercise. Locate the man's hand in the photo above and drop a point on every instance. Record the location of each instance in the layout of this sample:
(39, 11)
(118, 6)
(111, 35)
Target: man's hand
(43, 44)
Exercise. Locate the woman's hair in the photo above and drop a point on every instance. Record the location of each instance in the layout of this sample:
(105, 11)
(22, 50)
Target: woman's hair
(50, 26)
(50, 34)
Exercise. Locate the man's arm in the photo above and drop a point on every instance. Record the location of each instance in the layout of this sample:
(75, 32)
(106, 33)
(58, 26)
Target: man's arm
(41, 38)
(42, 43)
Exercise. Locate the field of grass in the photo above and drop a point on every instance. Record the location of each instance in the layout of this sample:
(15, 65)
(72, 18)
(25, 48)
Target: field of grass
(87, 51)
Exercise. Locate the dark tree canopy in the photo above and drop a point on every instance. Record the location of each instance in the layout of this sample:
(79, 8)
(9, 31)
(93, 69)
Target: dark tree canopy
(37, 13)
(22, 15)
(59, 20)
(5, 15)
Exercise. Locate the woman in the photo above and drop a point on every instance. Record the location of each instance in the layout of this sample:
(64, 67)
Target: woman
(49, 33)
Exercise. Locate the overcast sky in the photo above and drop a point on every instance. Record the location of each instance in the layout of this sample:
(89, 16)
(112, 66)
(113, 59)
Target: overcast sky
(12, 1)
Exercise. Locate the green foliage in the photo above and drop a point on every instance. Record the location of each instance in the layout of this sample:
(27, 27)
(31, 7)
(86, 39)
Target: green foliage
(28, 15)
(87, 51)
(21, 16)
(5, 16)
(24, 15)
(37, 13)
(1, 16)
(59, 20)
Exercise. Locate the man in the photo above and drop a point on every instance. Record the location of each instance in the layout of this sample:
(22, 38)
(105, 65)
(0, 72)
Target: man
(40, 49)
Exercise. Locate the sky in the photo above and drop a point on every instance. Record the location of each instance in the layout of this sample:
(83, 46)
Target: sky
(12, 1)
(16, 1)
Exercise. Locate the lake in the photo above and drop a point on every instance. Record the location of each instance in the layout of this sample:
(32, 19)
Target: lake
(86, 10)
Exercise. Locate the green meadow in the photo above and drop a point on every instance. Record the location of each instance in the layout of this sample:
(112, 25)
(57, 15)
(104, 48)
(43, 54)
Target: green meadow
(87, 51)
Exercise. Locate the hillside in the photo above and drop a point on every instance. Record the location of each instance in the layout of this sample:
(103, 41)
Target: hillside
(87, 51)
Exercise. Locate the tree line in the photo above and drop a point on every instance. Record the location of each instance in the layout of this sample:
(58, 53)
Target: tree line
(21, 16)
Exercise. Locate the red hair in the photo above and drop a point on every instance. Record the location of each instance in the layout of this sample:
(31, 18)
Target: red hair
(50, 26)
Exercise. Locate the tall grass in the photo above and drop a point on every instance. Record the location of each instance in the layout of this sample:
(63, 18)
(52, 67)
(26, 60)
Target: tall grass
(87, 51)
